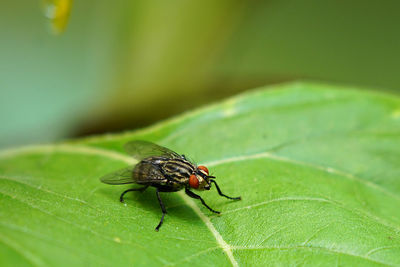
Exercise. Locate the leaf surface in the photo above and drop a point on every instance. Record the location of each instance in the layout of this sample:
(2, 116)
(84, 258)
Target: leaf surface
(317, 167)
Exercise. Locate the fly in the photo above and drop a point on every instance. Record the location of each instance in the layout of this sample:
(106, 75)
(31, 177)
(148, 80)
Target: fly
(165, 170)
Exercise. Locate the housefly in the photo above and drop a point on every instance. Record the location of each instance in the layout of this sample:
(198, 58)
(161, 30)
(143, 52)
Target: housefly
(165, 170)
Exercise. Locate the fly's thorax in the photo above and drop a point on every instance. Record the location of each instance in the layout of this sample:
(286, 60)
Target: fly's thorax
(178, 169)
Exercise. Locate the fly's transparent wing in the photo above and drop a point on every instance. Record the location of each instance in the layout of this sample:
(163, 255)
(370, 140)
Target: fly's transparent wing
(144, 149)
(148, 173)
(143, 172)
(122, 176)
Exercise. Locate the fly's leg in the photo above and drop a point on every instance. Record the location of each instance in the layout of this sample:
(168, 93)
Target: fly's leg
(121, 197)
(193, 195)
(222, 194)
(164, 211)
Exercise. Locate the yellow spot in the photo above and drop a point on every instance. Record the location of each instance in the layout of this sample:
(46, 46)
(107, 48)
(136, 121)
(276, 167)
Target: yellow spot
(396, 114)
(117, 239)
(57, 11)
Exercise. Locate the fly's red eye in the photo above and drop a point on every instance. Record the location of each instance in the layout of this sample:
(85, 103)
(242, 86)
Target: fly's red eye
(203, 168)
(193, 181)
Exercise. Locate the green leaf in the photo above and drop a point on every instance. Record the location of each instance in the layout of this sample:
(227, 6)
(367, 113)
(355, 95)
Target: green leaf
(317, 167)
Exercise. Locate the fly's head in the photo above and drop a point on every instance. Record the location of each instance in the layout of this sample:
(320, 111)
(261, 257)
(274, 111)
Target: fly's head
(200, 179)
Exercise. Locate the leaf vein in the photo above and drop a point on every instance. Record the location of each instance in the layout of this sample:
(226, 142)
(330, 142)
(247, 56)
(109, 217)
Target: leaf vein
(210, 226)
(302, 163)
(42, 237)
(339, 252)
(187, 258)
(24, 252)
(102, 236)
(279, 200)
(372, 251)
(361, 213)
(2, 177)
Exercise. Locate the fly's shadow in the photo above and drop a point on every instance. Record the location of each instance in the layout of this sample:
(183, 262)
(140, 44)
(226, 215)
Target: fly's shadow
(147, 200)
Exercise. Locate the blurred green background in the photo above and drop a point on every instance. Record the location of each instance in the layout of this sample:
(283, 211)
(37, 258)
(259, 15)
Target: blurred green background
(125, 64)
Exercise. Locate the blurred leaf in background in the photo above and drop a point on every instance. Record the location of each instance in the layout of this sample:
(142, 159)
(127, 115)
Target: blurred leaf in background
(126, 64)
(46, 82)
